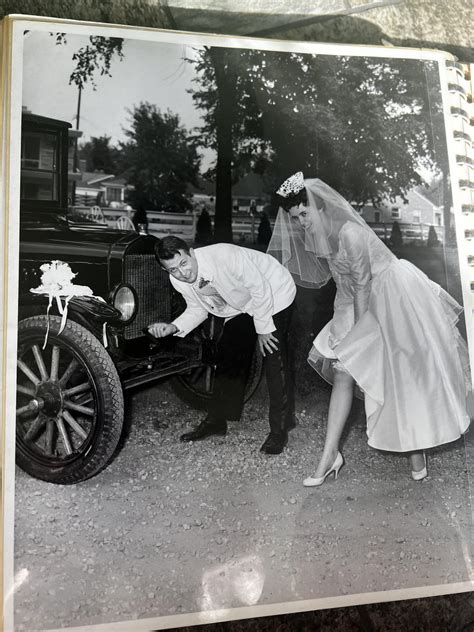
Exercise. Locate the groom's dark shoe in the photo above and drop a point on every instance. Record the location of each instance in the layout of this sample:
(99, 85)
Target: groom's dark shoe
(206, 428)
(274, 443)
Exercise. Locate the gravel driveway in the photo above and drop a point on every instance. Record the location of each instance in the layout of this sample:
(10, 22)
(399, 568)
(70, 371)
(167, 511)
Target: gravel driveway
(172, 528)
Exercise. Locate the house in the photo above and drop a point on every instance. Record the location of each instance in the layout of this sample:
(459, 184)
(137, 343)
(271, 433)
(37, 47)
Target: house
(40, 157)
(203, 196)
(421, 208)
(248, 189)
(102, 189)
(418, 208)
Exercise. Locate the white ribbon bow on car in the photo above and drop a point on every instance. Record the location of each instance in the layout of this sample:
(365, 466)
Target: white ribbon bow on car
(56, 282)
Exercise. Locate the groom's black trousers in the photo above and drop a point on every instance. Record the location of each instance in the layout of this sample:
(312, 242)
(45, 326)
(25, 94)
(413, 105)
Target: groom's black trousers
(235, 348)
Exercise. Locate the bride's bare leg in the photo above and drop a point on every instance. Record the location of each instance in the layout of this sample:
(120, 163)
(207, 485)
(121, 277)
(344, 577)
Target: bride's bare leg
(339, 409)
(417, 461)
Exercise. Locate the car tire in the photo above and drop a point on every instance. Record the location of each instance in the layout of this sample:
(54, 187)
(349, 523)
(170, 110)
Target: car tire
(193, 387)
(70, 406)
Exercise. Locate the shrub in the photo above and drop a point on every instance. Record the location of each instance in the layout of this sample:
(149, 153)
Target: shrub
(204, 228)
(396, 235)
(432, 238)
(264, 230)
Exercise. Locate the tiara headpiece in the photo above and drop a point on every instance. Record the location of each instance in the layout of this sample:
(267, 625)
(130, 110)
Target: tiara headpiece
(292, 185)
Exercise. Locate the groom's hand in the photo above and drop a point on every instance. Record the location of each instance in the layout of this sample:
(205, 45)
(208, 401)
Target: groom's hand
(268, 343)
(161, 330)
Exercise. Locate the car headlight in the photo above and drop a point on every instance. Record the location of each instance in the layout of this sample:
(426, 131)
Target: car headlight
(125, 301)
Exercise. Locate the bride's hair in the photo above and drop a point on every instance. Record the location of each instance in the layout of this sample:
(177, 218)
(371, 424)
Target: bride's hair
(289, 201)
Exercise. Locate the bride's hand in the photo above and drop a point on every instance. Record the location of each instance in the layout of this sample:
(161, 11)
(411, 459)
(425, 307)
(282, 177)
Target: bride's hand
(267, 342)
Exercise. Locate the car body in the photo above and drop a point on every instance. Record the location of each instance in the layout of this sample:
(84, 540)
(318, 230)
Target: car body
(75, 364)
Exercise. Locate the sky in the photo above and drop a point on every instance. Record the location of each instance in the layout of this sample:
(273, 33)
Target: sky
(149, 71)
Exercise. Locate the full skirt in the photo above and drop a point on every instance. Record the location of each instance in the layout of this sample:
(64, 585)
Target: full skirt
(408, 359)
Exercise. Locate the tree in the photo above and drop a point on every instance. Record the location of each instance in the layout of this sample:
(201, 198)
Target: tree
(96, 56)
(363, 125)
(231, 126)
(160, 159)
(100, 155)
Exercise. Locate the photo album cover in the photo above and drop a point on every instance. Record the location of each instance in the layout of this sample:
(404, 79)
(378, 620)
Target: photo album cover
(238, 338)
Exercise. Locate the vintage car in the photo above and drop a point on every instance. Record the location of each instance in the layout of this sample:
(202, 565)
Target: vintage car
(74, 368)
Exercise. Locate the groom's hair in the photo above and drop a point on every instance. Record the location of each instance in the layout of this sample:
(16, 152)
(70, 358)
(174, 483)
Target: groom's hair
(169, 247)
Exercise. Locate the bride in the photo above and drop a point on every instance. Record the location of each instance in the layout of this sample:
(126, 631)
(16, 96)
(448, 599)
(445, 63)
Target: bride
(393, 332)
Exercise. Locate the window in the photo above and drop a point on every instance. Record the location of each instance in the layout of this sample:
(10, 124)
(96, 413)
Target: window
(39, 166)
(376, 216)
(114, 194)
(437, 219)
(30, 155)
(416, 218)
(395, 212)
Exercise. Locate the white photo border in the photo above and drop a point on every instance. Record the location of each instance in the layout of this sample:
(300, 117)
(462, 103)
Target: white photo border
(16, 25)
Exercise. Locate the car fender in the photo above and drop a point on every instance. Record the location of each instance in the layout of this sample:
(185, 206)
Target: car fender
(88, 311)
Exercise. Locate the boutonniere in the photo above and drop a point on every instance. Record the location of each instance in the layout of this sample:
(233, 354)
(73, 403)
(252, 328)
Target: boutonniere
(202, 282)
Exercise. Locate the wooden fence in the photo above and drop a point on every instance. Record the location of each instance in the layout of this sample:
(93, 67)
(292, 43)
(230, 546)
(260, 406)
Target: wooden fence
(410, 232)
(244, 230)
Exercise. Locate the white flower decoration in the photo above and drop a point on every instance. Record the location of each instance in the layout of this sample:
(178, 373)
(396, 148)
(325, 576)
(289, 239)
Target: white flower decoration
(56, 282)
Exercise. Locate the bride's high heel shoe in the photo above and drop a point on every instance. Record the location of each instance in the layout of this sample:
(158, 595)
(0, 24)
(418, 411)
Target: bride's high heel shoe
(335, 467)
(420, 474)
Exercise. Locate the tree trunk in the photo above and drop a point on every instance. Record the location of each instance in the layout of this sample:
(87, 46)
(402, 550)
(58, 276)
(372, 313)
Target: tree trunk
(224, 119)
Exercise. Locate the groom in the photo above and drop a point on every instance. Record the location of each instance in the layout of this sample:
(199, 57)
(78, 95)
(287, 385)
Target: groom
(254, 293)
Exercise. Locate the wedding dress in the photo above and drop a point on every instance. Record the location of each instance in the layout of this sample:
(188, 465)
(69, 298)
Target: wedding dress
(404, 352)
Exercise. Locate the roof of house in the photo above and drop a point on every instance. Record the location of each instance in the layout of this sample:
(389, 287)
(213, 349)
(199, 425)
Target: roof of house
(95, 177)
(205, 188)
(251, 185)
(117, 181)
(434, 192)
(94, 180)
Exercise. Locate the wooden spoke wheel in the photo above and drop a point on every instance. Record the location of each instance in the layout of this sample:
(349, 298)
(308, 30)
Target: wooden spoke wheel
(69, 402)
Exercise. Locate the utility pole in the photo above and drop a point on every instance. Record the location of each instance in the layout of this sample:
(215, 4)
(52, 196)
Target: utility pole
(75, 162)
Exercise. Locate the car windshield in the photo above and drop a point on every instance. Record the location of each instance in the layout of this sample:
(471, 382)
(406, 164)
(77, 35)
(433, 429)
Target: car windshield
(89, 215)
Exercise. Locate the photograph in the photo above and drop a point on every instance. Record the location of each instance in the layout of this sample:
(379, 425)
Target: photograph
(244, 340)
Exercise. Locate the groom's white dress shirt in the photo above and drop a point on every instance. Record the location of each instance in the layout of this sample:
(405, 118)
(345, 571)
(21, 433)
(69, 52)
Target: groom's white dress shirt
(249, 281)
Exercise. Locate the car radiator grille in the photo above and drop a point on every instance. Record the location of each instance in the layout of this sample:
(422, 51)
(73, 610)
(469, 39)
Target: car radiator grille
(153, 290)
